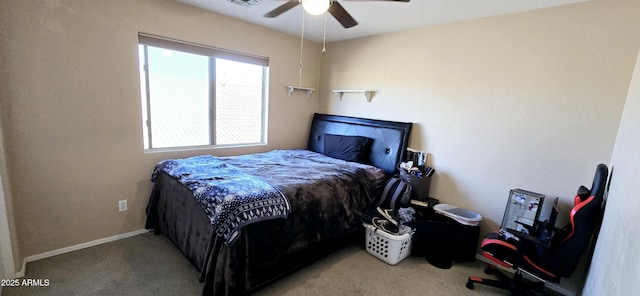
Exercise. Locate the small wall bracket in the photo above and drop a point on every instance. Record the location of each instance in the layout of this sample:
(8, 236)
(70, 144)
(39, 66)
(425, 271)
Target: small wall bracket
(367, 93)
(309, 90)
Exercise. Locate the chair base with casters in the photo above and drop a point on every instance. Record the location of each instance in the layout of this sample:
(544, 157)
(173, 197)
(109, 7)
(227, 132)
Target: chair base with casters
(518, 285)
(546, 253)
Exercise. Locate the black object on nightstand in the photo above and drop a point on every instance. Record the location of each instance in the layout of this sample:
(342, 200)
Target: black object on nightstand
(441, 239)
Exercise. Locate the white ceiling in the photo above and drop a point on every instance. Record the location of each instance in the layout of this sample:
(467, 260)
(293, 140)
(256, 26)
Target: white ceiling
(373, 17)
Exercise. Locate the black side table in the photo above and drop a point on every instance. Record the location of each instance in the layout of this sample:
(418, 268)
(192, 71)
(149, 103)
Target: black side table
(441, 239)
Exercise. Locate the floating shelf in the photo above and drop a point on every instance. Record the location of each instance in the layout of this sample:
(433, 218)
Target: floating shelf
(340, 92)
(309, 90)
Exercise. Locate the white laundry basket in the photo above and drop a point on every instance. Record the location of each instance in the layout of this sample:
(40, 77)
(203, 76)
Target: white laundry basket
(386, 246)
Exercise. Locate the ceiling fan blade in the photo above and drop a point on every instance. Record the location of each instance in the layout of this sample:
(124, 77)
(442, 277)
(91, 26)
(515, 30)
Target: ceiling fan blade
(343, 17)
(282, 8)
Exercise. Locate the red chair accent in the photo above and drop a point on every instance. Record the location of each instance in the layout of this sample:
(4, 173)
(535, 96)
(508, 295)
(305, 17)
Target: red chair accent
(548, 260)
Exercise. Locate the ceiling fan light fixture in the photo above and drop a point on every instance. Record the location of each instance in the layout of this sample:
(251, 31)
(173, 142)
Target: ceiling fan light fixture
(316, 7)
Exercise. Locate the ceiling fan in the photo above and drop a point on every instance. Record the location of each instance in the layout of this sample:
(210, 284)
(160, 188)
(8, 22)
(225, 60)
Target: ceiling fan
(318, 7)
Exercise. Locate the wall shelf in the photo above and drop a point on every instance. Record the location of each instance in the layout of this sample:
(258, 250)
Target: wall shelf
(309, 90)
(367, 93)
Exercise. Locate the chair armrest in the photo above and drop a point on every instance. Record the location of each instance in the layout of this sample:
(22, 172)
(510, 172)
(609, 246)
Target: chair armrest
(528, 238)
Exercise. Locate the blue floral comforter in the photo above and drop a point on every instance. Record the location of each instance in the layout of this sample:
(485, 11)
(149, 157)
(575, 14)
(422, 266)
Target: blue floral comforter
(230, 198)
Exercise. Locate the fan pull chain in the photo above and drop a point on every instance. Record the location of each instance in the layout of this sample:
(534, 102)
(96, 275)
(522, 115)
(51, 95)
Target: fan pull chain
(301, 47)
(324, 33)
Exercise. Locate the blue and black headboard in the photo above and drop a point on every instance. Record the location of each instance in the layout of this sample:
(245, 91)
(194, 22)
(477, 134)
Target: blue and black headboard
(390, 138)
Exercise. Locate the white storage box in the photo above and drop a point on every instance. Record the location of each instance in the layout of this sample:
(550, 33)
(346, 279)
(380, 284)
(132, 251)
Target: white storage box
(388, 247)
(460, 215)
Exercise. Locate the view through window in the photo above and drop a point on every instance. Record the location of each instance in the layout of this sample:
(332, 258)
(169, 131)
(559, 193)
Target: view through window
(200, 96)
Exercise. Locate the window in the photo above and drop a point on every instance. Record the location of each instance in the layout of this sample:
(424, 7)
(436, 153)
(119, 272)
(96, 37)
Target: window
(194, 95)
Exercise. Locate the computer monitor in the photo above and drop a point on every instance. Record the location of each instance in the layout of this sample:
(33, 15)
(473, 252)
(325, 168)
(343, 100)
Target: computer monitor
(549, 211)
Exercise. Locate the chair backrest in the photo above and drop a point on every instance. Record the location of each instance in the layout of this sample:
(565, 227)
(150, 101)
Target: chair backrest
(583, 219)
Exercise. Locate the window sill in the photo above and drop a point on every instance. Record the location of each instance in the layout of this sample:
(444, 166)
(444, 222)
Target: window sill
(197, 148)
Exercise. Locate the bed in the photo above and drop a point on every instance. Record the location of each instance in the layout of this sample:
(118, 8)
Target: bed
(324, 200)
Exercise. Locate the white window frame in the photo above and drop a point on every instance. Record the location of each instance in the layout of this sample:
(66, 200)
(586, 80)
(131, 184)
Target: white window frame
(212, 53)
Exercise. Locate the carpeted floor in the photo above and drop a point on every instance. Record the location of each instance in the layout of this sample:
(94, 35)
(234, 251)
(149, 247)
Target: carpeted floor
(151, 265)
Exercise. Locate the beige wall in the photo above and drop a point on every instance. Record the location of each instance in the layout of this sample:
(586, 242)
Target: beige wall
(615, 269)
(71, 109)
(529, 100)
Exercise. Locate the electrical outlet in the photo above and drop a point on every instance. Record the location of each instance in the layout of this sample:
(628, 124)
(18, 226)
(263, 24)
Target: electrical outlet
(122, 205)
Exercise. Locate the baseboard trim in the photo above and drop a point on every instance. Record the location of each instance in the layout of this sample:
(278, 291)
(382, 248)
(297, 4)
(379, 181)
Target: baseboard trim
(551, 286)
(20, 273)
(79, 247)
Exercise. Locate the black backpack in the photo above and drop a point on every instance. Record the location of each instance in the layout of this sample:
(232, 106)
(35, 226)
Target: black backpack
(395, 195)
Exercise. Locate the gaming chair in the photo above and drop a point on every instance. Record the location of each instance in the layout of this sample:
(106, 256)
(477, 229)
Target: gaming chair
(546, 253)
